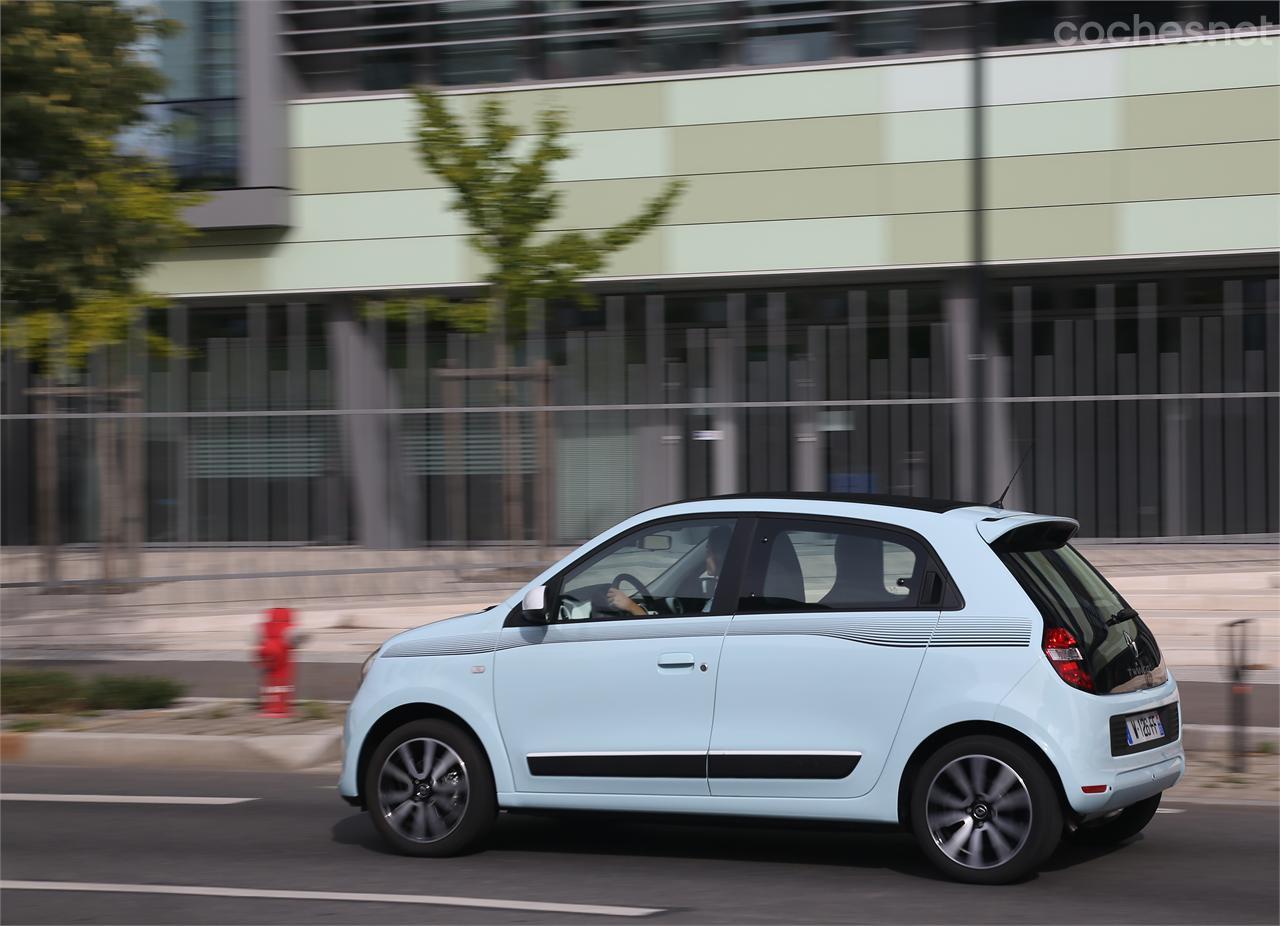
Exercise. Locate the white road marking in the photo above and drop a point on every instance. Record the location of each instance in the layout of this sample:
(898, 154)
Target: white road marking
(199, 890)
(123, 799)
(1169, 810)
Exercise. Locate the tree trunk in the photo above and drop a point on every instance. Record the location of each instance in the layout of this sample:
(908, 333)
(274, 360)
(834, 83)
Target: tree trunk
(134, 487)
(47, 490)
(108, 499)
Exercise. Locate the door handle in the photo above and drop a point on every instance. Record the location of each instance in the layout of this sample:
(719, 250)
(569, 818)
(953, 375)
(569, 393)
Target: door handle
(675, 661)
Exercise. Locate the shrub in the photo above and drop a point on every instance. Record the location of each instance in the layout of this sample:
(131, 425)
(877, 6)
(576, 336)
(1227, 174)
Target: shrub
(38, 691)
(131, 692)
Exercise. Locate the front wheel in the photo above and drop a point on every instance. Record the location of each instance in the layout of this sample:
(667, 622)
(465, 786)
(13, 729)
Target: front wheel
(429, 789)
(984, 811)
(1120, 826)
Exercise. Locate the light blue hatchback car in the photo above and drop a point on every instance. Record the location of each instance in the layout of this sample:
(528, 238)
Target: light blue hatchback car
(958, 669)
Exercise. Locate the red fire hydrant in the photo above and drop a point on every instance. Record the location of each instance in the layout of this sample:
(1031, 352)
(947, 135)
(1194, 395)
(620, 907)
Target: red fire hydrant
(275, 653)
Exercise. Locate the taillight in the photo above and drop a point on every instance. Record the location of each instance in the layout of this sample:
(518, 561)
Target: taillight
(1063, 650)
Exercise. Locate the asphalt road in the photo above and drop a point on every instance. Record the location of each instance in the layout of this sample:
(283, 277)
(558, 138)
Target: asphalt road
(1197, 863)
(1202, 702)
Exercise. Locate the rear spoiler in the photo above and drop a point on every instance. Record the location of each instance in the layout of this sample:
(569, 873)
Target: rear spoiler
(1025, 532)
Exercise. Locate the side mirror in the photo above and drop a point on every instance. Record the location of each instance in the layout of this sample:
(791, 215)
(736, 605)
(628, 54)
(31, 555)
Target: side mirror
(534, 606)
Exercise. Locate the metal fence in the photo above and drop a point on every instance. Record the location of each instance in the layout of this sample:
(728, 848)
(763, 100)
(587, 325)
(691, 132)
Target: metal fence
(1148, 405)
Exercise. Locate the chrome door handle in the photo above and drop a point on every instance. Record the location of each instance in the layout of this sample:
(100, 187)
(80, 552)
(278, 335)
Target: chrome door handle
(675, 661)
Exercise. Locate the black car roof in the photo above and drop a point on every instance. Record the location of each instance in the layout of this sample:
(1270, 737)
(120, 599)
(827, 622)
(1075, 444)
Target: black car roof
(936, 505)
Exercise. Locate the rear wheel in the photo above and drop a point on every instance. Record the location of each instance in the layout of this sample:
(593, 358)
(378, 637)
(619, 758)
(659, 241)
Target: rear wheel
(1119, 826)
(429, 789)
(984, 811)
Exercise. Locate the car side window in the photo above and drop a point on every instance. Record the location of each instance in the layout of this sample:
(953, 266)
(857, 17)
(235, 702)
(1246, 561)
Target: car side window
(826, 566)
(667, 569)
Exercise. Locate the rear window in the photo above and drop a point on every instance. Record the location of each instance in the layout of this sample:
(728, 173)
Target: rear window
(1119, 650)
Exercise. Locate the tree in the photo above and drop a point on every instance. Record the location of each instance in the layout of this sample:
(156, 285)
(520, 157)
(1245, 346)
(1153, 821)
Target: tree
(508, 200)
(83, 216)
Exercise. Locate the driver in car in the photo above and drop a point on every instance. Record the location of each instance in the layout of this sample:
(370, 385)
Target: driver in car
(717, 546)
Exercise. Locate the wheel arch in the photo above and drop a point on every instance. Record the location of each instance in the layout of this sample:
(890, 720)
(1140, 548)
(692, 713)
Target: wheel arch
(397, 717)
(955, 731)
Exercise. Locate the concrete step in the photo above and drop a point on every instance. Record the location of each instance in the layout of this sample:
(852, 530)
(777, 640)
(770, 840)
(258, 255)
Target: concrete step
(1200, 582)
(1204, 601)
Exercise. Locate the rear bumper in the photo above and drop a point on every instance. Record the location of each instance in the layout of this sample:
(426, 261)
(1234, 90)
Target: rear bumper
(1074, 729)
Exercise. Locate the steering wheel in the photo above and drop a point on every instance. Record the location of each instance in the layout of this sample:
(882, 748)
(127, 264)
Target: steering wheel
(628, 577)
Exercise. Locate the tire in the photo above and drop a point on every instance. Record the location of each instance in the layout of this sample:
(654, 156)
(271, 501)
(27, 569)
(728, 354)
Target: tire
(970, 832)
(1118, 827)
(429, 790)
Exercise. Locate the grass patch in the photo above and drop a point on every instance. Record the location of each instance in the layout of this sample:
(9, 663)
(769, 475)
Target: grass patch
(39, 691)
(131, 692)
(25, 725)
(313, 710)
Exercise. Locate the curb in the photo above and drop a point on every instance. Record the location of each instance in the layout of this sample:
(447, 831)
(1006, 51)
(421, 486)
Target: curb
(1210, 737)
(297, 751)
(271, 753)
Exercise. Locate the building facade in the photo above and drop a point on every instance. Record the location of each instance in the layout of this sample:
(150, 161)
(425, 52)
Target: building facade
(919, 243)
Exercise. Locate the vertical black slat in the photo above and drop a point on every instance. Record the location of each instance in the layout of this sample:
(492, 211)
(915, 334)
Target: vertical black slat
(1211, 430)
(1193, 416)
(859, 416)
(217, 449)
(1064, 496)
(1233, 450)
(1043, 456)
(1127, 474)
(899, 389)
(940, 414)
(298, 516)
(817, 392)
(1148, 446)
(1085, 424)
(572, 426)
(1271, 415)
(18, 509)
(614, 422)
(414, 431)
(918, 447)
(1023, 414)
(180, 524)
(1256, 489)
(1105, 377)
(1272, 314)
(779, 428)
(878, 447)
(839, 461)
(258, 495)
(698, 455)
(1173, 453)
(757, 430)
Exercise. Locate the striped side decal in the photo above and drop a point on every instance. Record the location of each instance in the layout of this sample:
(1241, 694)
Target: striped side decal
(907, 631)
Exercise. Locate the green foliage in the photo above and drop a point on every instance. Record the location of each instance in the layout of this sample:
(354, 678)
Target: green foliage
(313, 710)
(131, 692)
(38, 691)
(82, 217)
(507, 199)
(25, 725)
(46, 691)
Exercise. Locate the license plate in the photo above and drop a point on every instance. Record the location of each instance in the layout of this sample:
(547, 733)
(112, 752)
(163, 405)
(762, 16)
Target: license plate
(1143, 727)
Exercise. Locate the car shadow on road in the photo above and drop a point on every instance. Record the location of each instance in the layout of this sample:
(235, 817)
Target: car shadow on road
(795, 843)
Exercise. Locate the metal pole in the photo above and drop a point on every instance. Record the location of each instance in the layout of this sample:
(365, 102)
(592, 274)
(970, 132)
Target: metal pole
(978, 276)
(1237, 649)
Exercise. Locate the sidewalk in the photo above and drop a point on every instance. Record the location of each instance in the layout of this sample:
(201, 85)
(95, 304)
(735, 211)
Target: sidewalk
(1185, 592)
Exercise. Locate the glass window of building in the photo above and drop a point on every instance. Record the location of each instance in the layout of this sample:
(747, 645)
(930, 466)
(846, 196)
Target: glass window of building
(478, 42)
(681, 37)
(199, 112)
(788, 31)
(580, 39)
(883, 30)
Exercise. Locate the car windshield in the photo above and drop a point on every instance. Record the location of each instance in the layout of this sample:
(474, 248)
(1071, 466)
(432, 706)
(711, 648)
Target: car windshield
(1119, 650)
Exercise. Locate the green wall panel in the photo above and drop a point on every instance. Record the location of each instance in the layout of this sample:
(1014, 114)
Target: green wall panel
(748, 246)
(1237, 223)
(1097, 152)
